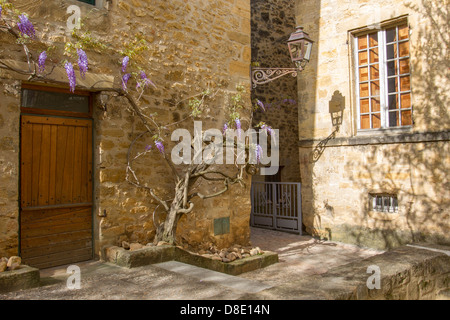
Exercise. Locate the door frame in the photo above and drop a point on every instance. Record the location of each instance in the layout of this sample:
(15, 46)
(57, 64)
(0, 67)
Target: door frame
(56, 114)
(47, 112)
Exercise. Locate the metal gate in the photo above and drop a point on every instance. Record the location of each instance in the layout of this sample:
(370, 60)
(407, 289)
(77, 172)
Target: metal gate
(277, 205)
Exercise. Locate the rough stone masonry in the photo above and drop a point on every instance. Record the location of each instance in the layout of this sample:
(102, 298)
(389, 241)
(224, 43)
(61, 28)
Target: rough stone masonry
(193, 45)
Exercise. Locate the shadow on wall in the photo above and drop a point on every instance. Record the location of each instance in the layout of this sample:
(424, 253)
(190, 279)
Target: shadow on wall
(433, 70)
(336, 110)
(416, 172)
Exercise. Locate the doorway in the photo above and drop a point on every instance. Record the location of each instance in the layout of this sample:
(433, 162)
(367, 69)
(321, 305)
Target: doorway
(55, 179)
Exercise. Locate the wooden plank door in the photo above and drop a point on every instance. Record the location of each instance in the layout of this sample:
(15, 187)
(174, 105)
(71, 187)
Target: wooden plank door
(56, 191)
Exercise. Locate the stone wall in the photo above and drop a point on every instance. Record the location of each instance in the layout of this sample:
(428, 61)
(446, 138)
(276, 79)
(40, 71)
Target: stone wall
(340, 166)
(193, 45)
(9, 166)
(272, 24)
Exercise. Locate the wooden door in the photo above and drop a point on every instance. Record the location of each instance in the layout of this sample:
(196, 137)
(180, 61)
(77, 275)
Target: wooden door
(56, 191)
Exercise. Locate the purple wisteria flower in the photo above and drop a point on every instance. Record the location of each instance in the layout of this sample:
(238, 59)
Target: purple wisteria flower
(267, 128)
(125, 79)
(82, 62)
(147, 81)
(71, 75)
(143, 77)
(238, 124)
(258, 153)
(160, 146)
(125, 61)
(148, 147)
(225, 128)
(238, 127)
(144, 81)
(41, 61)
(260, 104)
(290, 101)
(26, 27)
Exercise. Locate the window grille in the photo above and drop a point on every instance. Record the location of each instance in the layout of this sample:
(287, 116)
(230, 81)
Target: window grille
(384, 203)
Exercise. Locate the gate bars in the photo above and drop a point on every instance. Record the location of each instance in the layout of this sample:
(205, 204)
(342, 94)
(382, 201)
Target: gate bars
(277, 206)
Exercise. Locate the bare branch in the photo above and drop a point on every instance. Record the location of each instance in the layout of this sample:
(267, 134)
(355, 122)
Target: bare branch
(185, 211)
(136, 182)
(153, 216)
(202, 196)
(152, 193)
(203, 173)
(3, 65)
(185, 191)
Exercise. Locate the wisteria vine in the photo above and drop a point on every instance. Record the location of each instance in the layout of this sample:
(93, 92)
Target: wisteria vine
(126, 67)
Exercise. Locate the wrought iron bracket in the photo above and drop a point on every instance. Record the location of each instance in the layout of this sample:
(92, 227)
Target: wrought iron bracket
(264, 75)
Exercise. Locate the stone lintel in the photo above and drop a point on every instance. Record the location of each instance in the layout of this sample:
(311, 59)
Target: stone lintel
(58, 75)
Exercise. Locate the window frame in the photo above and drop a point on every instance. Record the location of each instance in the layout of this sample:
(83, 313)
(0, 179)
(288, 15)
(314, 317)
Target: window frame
(383, 76)
(91, 2)
(43, 111)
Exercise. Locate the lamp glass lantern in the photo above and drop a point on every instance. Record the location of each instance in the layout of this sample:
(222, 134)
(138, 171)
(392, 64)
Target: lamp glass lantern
(300, 45)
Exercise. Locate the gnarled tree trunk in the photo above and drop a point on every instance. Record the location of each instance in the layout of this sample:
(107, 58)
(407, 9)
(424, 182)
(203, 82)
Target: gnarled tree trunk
(166, 231)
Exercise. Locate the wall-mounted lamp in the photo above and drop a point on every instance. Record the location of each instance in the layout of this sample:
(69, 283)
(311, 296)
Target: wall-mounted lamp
(300, 45)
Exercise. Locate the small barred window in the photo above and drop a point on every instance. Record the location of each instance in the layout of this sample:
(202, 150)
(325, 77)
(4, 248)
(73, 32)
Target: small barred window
(384, 203)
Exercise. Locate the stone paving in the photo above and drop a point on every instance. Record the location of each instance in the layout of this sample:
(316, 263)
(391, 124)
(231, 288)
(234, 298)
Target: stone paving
(299, 256)
(302, 256)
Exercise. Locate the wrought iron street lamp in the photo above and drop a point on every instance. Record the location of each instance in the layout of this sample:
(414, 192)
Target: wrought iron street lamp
(300, 45)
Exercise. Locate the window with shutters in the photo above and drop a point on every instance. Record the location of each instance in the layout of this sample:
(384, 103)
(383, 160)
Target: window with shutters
(383, 78)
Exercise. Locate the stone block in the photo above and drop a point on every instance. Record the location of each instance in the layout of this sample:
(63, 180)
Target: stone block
(24, 277)
(139, 257)
(110, 253)
(235, 267)
(151, 255)
(112, 175)
(239, 37)
(244, 265)
(239, 68)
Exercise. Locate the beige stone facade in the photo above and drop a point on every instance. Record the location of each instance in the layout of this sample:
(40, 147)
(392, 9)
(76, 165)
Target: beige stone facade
(341, 165)
(198, 44)
(193, 45)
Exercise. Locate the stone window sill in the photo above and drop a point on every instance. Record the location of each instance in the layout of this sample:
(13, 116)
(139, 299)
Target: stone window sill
(382, 137)
(384, 131)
